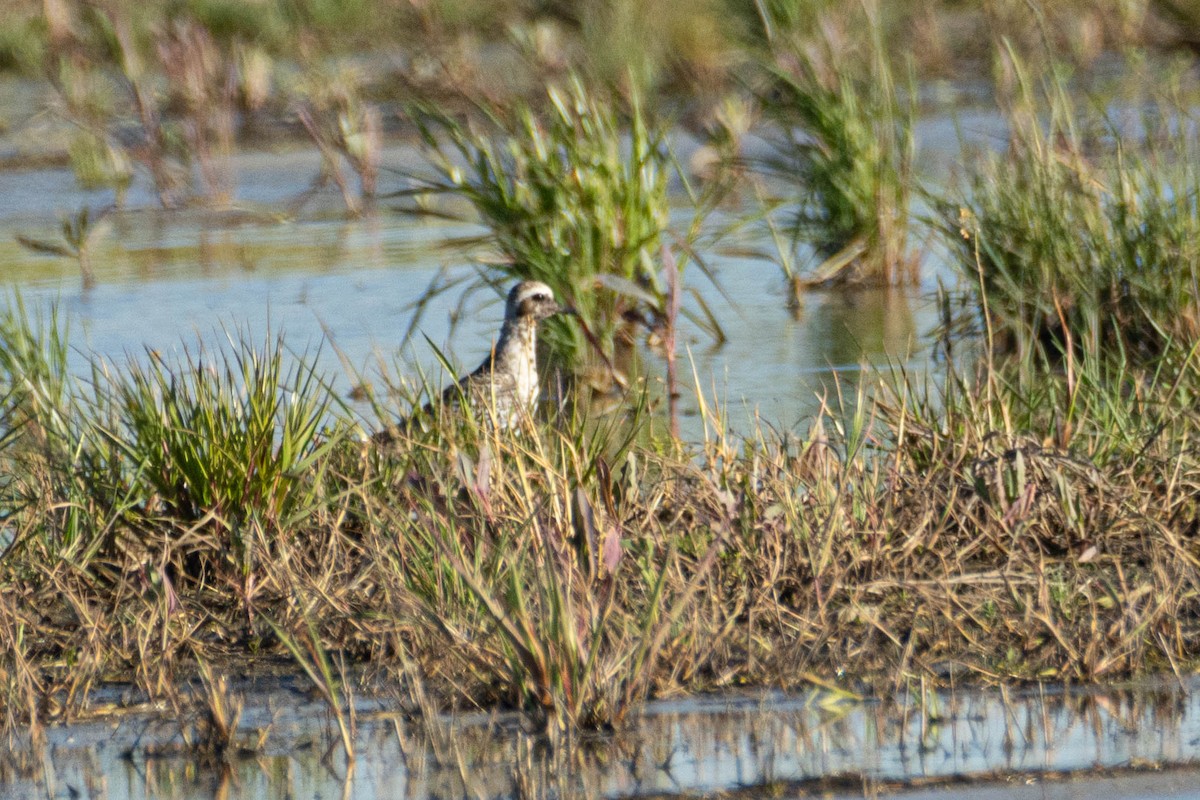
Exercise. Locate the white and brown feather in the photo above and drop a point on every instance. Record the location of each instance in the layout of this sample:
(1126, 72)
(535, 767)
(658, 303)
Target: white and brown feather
(505, 387)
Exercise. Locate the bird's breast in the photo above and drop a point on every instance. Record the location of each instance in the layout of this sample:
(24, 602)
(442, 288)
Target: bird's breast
(526, 367)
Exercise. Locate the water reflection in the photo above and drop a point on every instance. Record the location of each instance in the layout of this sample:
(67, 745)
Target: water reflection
(684, 747)
(871, 324)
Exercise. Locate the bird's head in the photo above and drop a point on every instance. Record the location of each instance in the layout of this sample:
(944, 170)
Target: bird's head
(531, 300)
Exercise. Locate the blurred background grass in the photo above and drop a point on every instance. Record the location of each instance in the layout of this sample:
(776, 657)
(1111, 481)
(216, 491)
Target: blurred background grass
(688, 48)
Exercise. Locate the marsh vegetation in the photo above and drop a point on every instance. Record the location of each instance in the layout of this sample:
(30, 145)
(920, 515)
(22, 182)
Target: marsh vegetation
(1023, 510)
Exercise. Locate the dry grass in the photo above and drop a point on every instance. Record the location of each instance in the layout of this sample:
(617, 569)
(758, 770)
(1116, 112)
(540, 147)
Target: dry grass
(1010, 525)
(1019, 521)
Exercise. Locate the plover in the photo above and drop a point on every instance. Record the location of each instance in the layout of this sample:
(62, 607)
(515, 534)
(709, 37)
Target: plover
(505, 387)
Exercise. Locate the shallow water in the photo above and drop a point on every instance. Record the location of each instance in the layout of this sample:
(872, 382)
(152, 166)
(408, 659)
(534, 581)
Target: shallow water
(347, 287)
(353, 284)
(702, 746)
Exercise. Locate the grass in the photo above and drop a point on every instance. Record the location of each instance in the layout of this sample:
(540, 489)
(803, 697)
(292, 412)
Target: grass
(228, 437)
(604, 222)
(1000, 523)
(536, 560)
(1081, 235)
(572, 198)
(678, 44)
(844, 135)
(1010, 519)
(1014, 519)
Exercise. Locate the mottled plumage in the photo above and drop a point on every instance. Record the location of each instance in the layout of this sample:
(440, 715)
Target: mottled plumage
(505, 386)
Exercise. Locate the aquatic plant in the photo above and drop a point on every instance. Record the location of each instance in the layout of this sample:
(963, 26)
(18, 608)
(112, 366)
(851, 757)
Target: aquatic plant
(80, 234)
(228, 436)
(643, 46)
(570, 199)
(345, 128)
(843, 135)
(22, 42)
(1078, 245)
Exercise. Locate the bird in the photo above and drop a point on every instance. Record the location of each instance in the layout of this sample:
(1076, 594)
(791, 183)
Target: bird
(504, 388)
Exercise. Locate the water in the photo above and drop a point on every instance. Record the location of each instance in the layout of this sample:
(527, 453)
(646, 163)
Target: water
(164, 281)
(162, 285)
(689, 747)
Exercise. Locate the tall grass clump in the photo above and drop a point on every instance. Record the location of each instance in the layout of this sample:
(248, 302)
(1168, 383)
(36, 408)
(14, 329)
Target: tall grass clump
(533, 578)
(139, 503)
(223, 440)
(230, 436)
(59, 494)
(844, 138)
(570, 197)
(1084, 233)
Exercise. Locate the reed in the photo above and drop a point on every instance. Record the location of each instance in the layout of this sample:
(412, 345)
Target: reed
(567, 202)
(1081, 235)
(843, 134)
